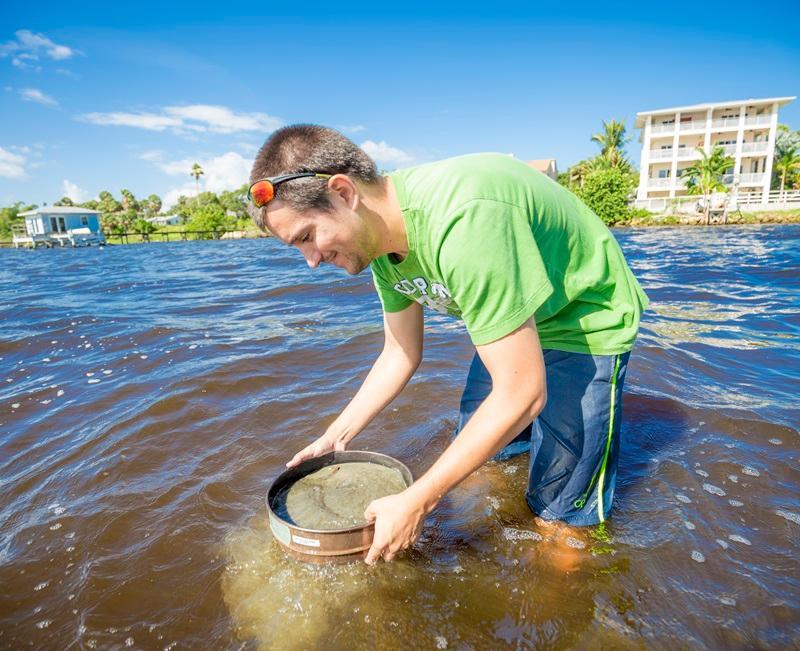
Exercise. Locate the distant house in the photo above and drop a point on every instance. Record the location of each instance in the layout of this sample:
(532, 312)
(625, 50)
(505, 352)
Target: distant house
(60, 226)
(545, 166)
(165, 220)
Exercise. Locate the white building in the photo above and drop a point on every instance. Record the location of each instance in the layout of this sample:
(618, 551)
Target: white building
(164, 220)
(670, 138)
(60, 226)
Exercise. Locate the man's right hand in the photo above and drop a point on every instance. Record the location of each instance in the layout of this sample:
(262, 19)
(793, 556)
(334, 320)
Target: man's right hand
(322, 445)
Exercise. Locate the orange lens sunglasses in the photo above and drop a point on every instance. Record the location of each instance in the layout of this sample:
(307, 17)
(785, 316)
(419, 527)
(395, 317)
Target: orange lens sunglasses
(263, 191)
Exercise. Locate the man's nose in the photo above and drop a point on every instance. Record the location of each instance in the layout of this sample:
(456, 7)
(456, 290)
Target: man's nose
(313, 258)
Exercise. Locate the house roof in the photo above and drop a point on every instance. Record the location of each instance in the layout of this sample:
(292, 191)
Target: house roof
(781, 101)
(542, 164)
(59, 210)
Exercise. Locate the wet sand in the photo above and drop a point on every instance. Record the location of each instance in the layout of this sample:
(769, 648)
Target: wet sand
(145, 409)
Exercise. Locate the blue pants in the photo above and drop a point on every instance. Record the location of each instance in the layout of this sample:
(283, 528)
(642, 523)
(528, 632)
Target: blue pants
(574, 442)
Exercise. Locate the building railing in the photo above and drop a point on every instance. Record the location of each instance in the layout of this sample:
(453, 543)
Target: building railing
(662, 128)
(755, 147)
(659, 183)
(690, 125)
(758, 120)
(658, 154)
(775, 200)
(752, 179)
(725, 123)
(730, 150)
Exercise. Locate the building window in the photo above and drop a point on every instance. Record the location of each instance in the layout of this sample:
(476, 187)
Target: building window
(664, 174)
(84, 220)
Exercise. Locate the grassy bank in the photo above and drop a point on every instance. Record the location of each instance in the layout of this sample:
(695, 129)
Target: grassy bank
(764, 217)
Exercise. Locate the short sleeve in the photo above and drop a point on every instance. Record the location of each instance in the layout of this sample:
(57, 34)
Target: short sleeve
(391, 299)
(493, 268)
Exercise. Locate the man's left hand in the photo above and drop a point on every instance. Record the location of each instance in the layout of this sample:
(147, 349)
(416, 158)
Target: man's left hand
(398, 524)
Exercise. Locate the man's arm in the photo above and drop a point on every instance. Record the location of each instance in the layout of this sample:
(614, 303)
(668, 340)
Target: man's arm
(518, 394)
(401, 355)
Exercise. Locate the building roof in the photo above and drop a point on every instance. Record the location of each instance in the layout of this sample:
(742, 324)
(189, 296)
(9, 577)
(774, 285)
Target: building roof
(781, 101)
(59, 210)
(542, 164)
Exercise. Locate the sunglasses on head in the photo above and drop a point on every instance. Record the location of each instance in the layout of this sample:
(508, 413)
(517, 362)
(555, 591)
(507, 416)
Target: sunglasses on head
(263, 191)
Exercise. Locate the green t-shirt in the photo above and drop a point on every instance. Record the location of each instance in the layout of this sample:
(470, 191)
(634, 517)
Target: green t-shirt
(494, 242)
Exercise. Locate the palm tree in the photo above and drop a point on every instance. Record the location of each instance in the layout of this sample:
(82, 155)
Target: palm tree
(705, 176)
(789, 160)
(612, 142)
(197, 172)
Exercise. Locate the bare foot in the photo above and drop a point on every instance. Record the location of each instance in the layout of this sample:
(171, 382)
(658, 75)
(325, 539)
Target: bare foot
(564, 546)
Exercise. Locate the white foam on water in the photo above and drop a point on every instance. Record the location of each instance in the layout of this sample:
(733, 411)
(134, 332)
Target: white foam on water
(441, 642)
(60, 393)
(791, 517)
(56, 526)
(714, 490)
(128, 641)
(575, 543)
(740, 539)
(46, 359)
(15, 405)
(510, 470)
(142, 356)
(700, 472)
(722, 543)
(689, 525)
(92, 381)
(193, 346)
(728, 601)
(697, 556)
(510, 533)
(776, 442)
(46, 402)
(735, 503)
(683, 498)
(734, 478)
(752, 472)
(107, 372)
(41, 586)
(44, 623)
(89, 373)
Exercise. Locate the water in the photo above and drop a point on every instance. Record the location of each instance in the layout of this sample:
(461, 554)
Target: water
(148, 395)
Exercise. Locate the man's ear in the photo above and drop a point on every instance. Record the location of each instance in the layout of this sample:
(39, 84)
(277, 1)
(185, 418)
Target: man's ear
(343, 186)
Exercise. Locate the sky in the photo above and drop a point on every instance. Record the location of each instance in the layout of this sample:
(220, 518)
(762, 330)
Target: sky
(106, 96)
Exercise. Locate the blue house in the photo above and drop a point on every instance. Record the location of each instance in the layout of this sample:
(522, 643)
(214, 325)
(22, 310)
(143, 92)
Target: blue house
(60, 226)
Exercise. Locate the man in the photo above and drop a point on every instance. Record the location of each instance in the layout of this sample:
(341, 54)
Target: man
(542, 286)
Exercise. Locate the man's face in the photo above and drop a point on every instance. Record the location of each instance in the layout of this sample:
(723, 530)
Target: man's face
(341, 237)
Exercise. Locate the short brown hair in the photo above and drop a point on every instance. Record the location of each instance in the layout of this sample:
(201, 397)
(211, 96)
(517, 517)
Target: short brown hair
(309, 148)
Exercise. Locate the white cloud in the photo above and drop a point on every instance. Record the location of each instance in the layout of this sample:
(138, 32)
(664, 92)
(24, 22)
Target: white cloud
(12, 165)
(225, 172)
(28, 47)
(71, 190)
(192, 118)
(381, 152)
(35, 95)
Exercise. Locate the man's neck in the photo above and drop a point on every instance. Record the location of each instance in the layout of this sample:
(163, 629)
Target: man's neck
(384, 208)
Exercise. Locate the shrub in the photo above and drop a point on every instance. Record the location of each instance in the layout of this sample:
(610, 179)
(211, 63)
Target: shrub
(606, 192)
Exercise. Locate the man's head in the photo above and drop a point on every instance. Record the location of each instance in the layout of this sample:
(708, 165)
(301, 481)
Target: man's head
(322, 215)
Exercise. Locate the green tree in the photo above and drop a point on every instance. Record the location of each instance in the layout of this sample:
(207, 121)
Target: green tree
(153, 205)
(197, 172)
(607, 192)
(787, 163)
(234, 202)
(144, 226)
(209, 217)
(612, 142)
(64, 201)
(705, 176)
(91, 204)
(9, 218)
(107, 204)
(129, 201)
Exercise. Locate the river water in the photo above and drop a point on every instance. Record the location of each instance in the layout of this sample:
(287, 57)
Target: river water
(149, 394)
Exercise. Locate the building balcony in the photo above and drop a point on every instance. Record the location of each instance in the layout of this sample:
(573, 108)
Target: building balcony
(662, 128)
(725, 123)
(659, 183)
(752, 179)
(758, 120)
(755, 148)
(692, 125)
(660, 154)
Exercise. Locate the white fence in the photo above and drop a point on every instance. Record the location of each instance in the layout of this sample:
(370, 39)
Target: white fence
(751, 201)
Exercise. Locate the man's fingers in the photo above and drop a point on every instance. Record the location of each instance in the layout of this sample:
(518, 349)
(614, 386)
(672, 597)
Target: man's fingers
(369, 513)
(374, 553)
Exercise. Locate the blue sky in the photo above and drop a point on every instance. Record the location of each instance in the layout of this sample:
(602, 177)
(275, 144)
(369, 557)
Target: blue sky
(116, 95)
